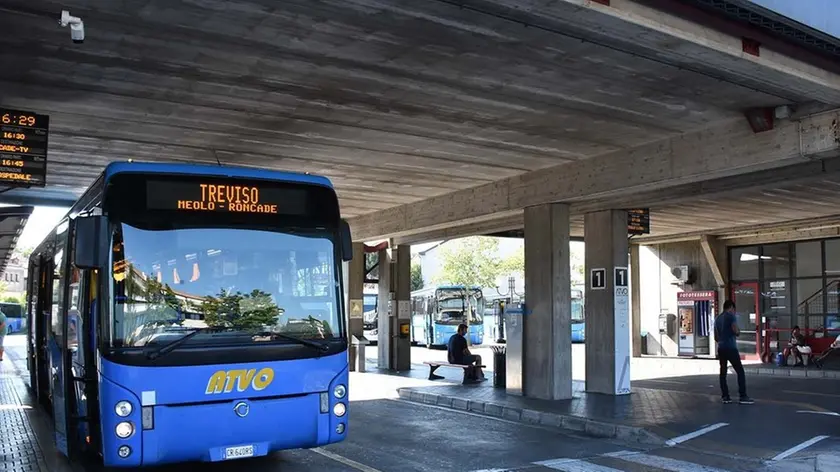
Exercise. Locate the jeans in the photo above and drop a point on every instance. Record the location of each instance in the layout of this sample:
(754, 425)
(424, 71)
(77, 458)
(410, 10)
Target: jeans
(731, 356)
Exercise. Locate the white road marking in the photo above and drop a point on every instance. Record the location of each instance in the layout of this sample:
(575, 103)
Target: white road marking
(799, 447)
(827, 413)
(574, 465)
(344, 460)
(699, 432)
(667, 463)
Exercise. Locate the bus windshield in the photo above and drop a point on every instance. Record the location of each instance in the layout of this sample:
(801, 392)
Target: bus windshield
(243, 286)
(451, 305)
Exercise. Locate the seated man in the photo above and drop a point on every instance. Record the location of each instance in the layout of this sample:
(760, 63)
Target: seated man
(459, 353)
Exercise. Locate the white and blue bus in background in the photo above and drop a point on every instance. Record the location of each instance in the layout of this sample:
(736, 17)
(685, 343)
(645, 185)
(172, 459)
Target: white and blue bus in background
(578, 314)
(437, 311)
(15, 319)
(370, 305)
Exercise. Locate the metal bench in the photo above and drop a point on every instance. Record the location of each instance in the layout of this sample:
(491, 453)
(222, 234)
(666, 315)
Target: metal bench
(433, 366)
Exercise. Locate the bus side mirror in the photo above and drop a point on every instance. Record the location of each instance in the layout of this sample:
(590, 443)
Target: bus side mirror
(346, 241)
(89, 236)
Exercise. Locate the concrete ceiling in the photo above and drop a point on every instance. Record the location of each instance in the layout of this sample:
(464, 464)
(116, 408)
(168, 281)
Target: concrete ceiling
(12, 222)
(395, 100)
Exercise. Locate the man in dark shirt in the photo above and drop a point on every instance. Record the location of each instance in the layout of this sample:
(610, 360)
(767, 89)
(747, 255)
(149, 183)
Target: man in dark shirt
(459, 353)
(726, 330)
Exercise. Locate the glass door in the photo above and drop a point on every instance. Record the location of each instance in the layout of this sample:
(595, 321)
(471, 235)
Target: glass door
(747, 312)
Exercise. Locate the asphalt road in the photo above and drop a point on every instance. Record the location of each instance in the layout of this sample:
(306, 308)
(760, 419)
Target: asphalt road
(388, 434)
(392, 435)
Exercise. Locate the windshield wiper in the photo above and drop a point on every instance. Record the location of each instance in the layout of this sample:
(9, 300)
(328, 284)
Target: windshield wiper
(306, 342)
(154, 353)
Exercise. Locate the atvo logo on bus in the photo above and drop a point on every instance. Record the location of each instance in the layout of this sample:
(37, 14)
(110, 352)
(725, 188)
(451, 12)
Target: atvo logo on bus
(225, 381)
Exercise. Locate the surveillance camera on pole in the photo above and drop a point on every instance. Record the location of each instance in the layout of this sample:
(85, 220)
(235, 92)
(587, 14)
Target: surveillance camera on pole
(77, 26)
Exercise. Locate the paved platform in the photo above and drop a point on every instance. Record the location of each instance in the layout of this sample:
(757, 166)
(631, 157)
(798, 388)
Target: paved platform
(810, 371)
(669, 411)
(25, 430)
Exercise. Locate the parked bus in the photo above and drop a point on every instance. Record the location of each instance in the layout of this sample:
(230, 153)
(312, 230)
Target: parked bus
(192, 313)
(578, 317)
(437, 311)
(15, 320)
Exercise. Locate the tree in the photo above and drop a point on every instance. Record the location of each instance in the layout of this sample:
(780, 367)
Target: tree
(250, 311)
(416, 277)
(514, 263)
(471, 261)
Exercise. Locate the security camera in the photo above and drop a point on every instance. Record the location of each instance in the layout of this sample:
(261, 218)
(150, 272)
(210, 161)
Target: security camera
(77, 26)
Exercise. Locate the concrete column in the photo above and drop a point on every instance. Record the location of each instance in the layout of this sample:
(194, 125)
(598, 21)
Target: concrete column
(607, 303)
(384, 310)
(354, 281)
(547, 336)
(636, 301)
(401, 277)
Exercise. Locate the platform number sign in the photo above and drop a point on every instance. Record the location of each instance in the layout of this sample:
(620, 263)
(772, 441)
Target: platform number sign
(598, 279)
(620, 276)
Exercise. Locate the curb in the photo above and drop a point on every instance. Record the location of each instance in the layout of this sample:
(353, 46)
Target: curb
(798, 373)
(590, 427)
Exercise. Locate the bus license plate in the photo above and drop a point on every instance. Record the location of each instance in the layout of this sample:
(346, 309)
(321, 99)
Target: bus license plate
(238, 452)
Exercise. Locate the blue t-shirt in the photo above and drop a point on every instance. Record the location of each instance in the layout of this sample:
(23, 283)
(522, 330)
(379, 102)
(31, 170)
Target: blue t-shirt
(723, 331)
(456, 346)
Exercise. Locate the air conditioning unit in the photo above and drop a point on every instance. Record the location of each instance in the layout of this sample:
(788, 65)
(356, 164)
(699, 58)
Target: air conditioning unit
(682, 274)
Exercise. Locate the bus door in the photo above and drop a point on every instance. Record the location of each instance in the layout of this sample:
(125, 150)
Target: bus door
(58, 340)
(430, 320)
(81, 342)
(32, 341)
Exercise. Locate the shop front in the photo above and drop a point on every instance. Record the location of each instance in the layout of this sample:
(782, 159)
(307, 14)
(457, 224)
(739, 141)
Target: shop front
(778, 286)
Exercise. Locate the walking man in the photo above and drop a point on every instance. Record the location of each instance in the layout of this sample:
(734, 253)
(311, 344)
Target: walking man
(726, 330)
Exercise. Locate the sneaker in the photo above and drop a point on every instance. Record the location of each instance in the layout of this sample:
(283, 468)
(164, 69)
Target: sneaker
(746, 401)
(726, 400)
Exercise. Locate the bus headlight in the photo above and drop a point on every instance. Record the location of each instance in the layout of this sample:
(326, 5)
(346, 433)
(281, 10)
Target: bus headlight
(339, 391)
(123, 408)
(339, 409)
(124, 429)
(124, 451)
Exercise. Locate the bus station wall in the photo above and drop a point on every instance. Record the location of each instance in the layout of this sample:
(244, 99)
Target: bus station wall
(658, 288)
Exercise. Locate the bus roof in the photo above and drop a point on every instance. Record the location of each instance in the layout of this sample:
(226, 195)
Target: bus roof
(115, 168)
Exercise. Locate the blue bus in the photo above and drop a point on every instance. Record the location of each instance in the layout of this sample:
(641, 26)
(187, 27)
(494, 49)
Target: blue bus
(578, 314)
(15, 321)
(370, 322)
(192, 313)
(437, 311)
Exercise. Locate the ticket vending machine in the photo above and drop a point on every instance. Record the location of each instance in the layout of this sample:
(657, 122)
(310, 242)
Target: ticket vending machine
(695, 318)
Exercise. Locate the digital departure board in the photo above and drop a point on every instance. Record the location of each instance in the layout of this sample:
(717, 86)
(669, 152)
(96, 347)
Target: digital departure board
(638, 221)
(23, 148)
(233, 197)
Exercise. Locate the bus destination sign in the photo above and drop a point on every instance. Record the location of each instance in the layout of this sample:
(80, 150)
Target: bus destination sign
(23, 148)
(638, 221)
(224, 197)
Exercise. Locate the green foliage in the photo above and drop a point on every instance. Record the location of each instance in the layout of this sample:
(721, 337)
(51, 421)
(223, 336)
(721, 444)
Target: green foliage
(514, 264)
(416, 277)
(250, 311)
(471, 261)
(14, 299)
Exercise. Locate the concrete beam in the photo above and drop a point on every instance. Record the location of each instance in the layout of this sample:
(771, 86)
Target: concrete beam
(723, 151)
(650, 33)
(715, 254)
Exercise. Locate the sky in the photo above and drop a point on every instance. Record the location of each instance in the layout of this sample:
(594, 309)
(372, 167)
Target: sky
(41, 222)
(822, 15)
